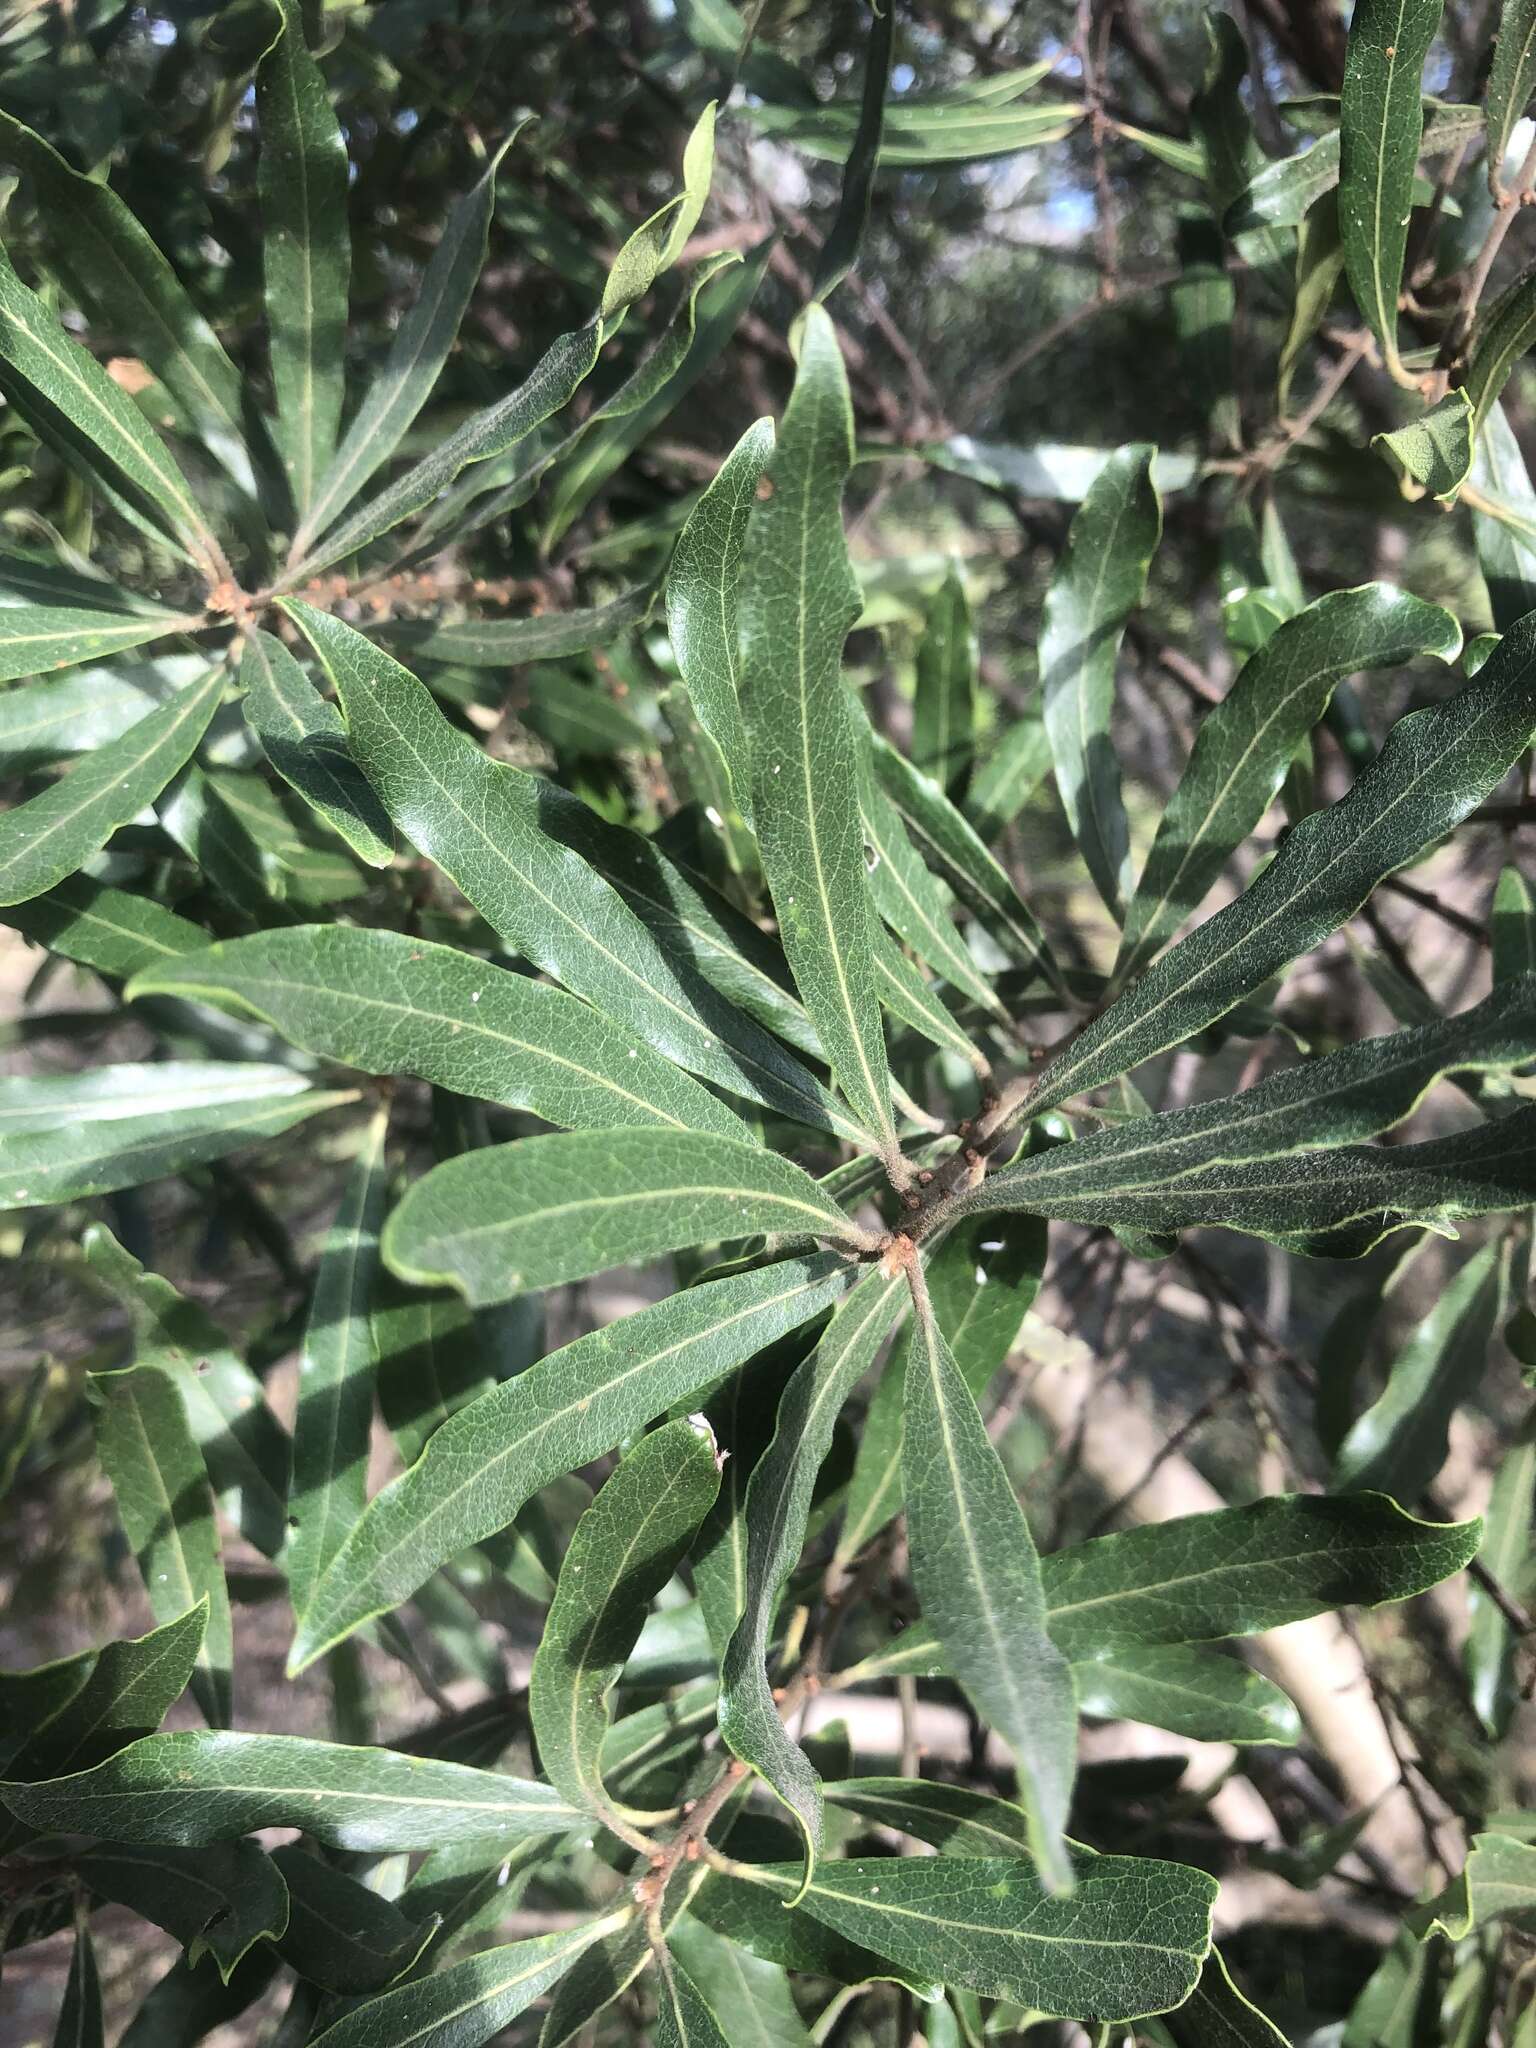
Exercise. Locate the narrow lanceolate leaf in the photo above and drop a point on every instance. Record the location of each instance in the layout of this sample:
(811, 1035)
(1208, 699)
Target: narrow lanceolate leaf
(1283, 192)
(1239, 1571)
(1504, 521)
(51, 835)
(943, 707)
(574, 1405)
(163, 1503)
(218, 1901)
(1381, 122)
(416, 355)
(1511, 78)
(68, 1162)
(1503, 334)
(485, 825)
(339, 1934)
(118, 274)
(191, 1789)
(798, 601)
(911, 899)
(1195, 1693)
(242, 1441)
(1347, 1095)
(1436, 767)
(1097, 585)
(510, 1219)
(35, 638)
(981, 1280)
(1216, 2014)
(306, 252)
(470, 2003)
(306, 743)
(1246, 744)
(1333, 1204)
(82, 2019)
(56, 383)
(953, 1819)
(68, 714)
(977, 1575)
(683, 2016)
(392, 1005)
(335, 1413)
(1400, 1442)
(1127, 1942)
(1016, 762)
(503, 643)
(1489, 1656)
(1513, 927)
(949, 842)
(753, 1995)
(624, 1550)
(907, 997)
(702, 586)
(778, 1503)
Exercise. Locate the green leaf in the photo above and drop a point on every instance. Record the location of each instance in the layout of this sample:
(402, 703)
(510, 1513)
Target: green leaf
(70, 1162)
(956, 1821)
(981, 1279)
(488, 827)
(1016, 762)
(1216, 2014)
(1195, 1693)
(334, 1421)
(511, 1219)
(186, 2004)
(1503, 334)
(304, 739)
(82, 2022)
(1240, 1571)
(943, 707)
(683, 2019)
(1434, 452)
(949, 843)
(798, 599)
(754, 1994)
(340, 1934)
(118, 274)
(68, 1716)
(242, 1442)
(906, 996)
(1401, 1440)
(1098, 583)
(1319, 262)
(75, 404)
(306, 252)
(469, 2003)
(1511, 78)
(218, 1900)
(571, 1407)
(845, 237)
(417, 352)
(1354, 1093)
(1127, 1942)
(912, 900)
(35, 638)
(977, 1575)
(52, 834)
(498, 429)
(1283, 192)
(504, 643)
(1504, 520)
(1436, 767)
(391, 1005)
(1244, 746)
(187, 1790)
(1381, 125)
(923, 131)
(703, 577)
(1498, 1883)
(1513, 927)
(778, 1504)
(62, 715)
(147, 1451)
(624, 1550)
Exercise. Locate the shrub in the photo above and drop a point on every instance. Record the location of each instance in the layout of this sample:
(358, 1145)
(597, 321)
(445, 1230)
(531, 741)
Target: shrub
(559, 855)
